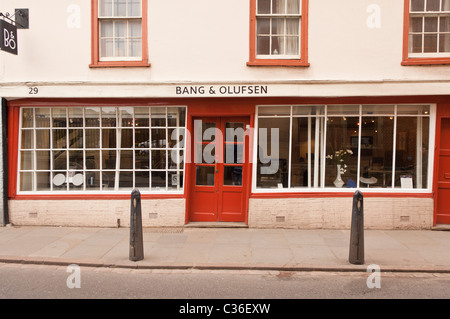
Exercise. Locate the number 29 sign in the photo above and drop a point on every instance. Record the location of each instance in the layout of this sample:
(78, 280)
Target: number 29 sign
(8, 37)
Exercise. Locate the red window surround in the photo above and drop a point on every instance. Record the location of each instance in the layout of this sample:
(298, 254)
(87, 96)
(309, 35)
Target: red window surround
(95, 52)
(303, 59)
(416, 61)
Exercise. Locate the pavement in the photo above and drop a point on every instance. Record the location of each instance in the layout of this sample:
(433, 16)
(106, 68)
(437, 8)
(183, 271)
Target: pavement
(227, 248)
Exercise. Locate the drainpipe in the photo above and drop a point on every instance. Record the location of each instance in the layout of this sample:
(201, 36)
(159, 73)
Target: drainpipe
(4, 216)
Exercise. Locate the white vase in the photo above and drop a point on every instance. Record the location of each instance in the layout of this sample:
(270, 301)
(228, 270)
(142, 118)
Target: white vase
(338, 182)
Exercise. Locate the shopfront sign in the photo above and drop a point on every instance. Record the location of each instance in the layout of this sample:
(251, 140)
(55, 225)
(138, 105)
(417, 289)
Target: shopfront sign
(8, 37)
(222, 90)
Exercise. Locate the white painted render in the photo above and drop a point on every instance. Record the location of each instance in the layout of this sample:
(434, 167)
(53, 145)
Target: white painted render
(207, 42)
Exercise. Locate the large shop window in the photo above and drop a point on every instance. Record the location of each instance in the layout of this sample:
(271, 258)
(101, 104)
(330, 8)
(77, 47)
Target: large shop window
(427, 31)
(119, 33)
(101, 149)
(343, 146)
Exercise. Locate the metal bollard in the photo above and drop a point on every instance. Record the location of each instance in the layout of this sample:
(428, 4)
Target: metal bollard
(136, 239)
(356, 255)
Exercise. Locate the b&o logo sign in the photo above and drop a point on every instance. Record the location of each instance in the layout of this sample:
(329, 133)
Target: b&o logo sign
(8, 37)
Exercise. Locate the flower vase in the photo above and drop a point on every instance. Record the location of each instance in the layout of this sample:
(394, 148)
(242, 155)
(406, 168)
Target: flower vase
(338, 182)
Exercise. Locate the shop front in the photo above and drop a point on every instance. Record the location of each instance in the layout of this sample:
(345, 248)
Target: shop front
(291, 162)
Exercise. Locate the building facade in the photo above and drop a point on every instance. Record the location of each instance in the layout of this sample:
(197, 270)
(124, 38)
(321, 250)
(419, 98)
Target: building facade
(268, 113)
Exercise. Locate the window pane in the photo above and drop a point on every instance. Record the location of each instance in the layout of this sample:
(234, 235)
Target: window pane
(108, 180)
(59, 117)
(431, 24)
(293, 6)
(444, 42)
(108, 116)
(142, 180)
(43, 181)
(109, 159)
(279, 6)
(105, 9)
(204, 176)
(92, 181)
(159, 159)
(343, 110)
(108, 138)
(232, 175)
(159, 138)
(308, 110)
(120, 8)
(274, 110)
(43, 160)
(134, 8)
(278, 26)
(175, 180)
(42, 117)
(292, 27)
(141, 117)
(415, 43)
(304, 156)
(158, 181)
(59, 138)
(125, 180)
(376, 151)
(433, 5)
(234, 153)
(76, 160)
(126, 159)
(263, 6)
(126, 138)
(417, 5)
(411, 160)
(26, 160)
(59, 160)
(93, 159)
(263, 26)
(263, 45)
(273, 152)
(142, 137)
(142, 159)
(430, 43)
(278, 45)
(377, 109)
(27, 139)
(176, 116)
(444, 24)
(92, 116)
(26, 181)
(92, 138)
(126, 116)
(75, 117)
(292, 46)
(416, 24)
(75, 138)
(27, 117)
(158, 116)
(342, 149)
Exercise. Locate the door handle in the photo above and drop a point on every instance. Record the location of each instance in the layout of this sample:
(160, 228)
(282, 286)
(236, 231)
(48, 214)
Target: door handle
(215, 168)
(447, 175)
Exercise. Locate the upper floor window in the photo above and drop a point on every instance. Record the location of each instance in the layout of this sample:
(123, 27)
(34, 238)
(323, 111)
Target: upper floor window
(427, 32)
(278, 32)
(119, 30)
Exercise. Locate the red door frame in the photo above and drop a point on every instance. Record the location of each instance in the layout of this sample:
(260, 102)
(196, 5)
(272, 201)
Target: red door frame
(442, 112)
(217, 108)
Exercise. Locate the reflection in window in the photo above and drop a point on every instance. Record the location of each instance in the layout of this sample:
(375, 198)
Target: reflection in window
(375, 146)
(101, 149)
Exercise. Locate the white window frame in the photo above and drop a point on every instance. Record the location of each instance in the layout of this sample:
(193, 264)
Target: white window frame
(284, 34)
(127, 37)
(322, 187)
(180, 169)
(423, 14)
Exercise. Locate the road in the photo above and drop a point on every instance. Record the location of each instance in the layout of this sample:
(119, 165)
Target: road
(49, 282)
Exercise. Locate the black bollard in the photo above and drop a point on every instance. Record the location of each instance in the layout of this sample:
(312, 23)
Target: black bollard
(136, 240)
(356, 255)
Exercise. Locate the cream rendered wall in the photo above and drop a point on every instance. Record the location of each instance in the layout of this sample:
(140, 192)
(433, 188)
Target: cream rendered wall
(208, 41)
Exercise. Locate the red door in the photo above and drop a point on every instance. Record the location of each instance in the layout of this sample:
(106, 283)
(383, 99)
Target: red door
(443, 193)
(219, 180)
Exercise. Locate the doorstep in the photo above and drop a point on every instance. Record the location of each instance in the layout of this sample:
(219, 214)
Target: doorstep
(216, 225)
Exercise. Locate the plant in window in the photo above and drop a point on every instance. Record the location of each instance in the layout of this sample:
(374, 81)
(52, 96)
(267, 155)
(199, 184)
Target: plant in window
(339, 158)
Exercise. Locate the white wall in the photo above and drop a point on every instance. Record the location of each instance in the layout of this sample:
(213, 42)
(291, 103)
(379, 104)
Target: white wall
(208, 41)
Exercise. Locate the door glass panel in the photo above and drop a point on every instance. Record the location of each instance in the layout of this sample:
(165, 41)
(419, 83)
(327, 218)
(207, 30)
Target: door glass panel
(204, 176)
(234, 132)
(234, 153)
(232, 175)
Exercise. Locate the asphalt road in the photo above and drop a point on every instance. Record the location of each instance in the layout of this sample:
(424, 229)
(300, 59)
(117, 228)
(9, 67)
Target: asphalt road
(61, 282)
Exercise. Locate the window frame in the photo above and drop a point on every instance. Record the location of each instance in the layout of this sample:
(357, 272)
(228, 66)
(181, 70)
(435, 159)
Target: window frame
(180, 168)
(322, 187)
(123, 61)
(422, 58)
(301, 61)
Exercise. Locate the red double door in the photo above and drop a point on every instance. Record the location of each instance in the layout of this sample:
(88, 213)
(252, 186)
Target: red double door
(443, 189)
(219, 172)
